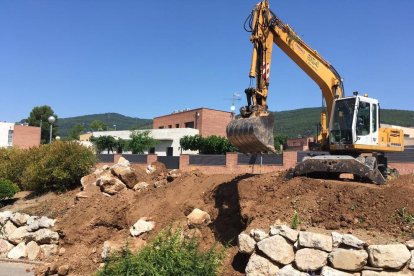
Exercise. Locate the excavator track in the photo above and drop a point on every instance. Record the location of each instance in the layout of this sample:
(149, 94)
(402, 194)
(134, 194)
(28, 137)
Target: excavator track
(326, 166)
(252, 135)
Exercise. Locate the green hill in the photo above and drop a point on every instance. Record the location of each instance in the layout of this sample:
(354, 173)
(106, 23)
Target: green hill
(302, 122)
(291, 122)
(110, 119)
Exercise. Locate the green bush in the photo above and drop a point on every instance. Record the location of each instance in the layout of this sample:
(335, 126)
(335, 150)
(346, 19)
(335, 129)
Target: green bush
(168, 254)
(7, 189)
(52, 167)
(207, 145)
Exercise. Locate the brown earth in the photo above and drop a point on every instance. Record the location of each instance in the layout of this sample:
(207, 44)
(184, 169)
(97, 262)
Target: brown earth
(235, 203)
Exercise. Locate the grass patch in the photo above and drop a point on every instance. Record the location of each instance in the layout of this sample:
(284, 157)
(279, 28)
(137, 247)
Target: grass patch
(404, 216)
(168, 254)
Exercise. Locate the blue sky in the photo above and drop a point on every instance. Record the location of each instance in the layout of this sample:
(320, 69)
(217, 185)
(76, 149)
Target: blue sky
(148, 58)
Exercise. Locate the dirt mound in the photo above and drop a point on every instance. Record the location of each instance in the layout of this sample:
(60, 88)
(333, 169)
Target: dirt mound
(235, 203)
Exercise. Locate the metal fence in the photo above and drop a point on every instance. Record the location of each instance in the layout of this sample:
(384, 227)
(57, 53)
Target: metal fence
(105, 158)
(136, 158)
(256, 159)
(207, 160)
(407, 156)
(171, 162)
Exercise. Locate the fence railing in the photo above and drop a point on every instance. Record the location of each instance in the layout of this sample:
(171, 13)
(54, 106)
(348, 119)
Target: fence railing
(256, 159)
(105, 158)
(136, 158)
(207, 160)
(171, 162)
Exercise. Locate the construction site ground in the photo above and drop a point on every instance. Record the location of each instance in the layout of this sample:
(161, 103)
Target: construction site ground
(235, 203)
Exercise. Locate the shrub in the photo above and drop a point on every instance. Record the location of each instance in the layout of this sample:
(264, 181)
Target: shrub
(295, 220)
(140, 141)
(207, 145)
(168, 254)
(7, 189)
(56, 167)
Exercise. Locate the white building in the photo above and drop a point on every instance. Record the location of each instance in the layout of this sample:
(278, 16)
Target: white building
(168, 139)
(6, 134)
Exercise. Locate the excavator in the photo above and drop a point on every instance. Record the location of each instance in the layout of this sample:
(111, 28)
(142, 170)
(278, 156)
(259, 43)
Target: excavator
(350, 125)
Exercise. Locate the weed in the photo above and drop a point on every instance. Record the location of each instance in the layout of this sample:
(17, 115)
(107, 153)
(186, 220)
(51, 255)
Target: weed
(295, 220)
(404, 216)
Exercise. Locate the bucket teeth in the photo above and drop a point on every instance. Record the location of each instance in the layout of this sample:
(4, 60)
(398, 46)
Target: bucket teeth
(252, 135)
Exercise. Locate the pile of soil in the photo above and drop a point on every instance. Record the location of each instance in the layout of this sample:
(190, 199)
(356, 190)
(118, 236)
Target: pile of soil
(235, 203)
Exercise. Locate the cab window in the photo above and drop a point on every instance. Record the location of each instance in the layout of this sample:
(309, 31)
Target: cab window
(363, 122)
(374, 118)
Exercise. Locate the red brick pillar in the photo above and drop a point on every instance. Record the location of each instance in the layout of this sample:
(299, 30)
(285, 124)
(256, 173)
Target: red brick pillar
(184, 162)
(151, 158)
(116, 157)
(231, 161)
(289, 159)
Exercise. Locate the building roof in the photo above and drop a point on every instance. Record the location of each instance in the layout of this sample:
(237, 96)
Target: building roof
(191, 110)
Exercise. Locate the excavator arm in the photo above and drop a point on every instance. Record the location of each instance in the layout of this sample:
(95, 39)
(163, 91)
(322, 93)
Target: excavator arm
(267, 29)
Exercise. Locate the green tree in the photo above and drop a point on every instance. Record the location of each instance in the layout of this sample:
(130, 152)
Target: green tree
(98, 125)
(75, 131)
(39, 117)
(280, 140)
(120, 145)
(104, 143)
(140, 141)
(207, 145)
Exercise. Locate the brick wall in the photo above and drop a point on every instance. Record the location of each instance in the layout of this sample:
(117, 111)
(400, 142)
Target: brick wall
(26, 137)
(208, 122)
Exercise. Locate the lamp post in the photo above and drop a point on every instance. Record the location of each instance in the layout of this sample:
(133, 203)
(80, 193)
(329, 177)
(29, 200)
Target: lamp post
(51, 120)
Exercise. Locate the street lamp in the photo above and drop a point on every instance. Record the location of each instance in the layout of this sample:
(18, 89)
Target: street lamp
(51, 120)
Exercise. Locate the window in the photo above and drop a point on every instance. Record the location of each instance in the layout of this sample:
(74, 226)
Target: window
(161, 127)
(10, 138)
(169, 126)
(169, 151)
(189, 125)
(177, 125)
(363, 122)
(151, 150)
(374, 118)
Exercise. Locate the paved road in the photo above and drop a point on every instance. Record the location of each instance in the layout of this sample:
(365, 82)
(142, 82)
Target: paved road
(15, 269)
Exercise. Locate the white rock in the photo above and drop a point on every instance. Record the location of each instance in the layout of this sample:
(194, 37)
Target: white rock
(288, 270)
(5, 216)
(19, 251)
(20, 235)
(110, 184)
(314, 240)
(141, 226)
(258, 234)
(284, 231)
(45, 222)
(123, 162)
(385, 273)
(44, 236)
(19, 219)
(5, 247)
(277, 249)
(329, 271)
(259, 266)
(246, 243)
(410, 244)
(308, 259)
(388, 256)
(349, 260)
(48, 250)
(106, 250)
(8, 229)
(160, 183)
(33, 250)
(140, 186)
(411, 265)
(31, 219)
(150, 169)
(353, 241)
(198, 217)
(336, 239)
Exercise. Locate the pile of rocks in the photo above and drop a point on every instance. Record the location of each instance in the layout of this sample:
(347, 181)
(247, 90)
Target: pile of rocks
(113, 179)
(25, 236)
(286, 252)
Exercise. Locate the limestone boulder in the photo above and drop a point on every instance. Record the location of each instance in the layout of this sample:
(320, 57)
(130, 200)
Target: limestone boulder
(33, 250)
(123, 162)
(316, 241)
(8, 229)
(278, 249)
(352, 241)
(329, 271)
(288, 270)
(140, 186)
(410, 244)
(35, 223)
(411, 264)
(150, 169)
(173, 174)
(46, 236)
(19, 219)
(260, 266)
(5, 247)
(127, 175)
(284, 231)
(110, 184)
(385, 273)
(388, 256)
(258, 234)
(141, 226)
(17, 252)
(336, 239)
(246, 243)
(198, 217)
(63, 270)
(20, 235)
(308, 259)
(349, 260)
(48, 250)
(5, 216)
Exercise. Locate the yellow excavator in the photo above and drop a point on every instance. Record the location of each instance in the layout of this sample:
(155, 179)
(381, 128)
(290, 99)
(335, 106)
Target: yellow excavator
(350, 126)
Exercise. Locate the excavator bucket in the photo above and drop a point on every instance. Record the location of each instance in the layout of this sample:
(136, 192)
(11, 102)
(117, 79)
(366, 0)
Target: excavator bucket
(331, 166)
(252, 135)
